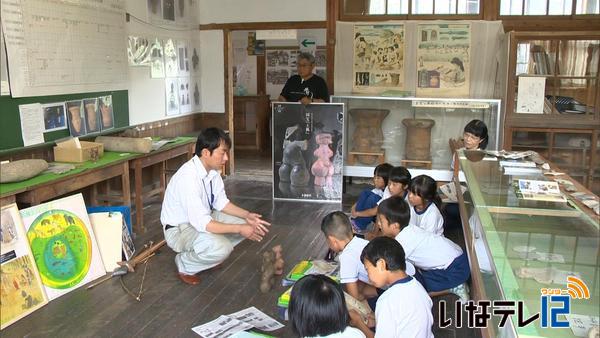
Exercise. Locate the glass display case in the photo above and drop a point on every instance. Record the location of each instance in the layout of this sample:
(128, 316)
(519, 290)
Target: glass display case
(518, 248)
(377, 129)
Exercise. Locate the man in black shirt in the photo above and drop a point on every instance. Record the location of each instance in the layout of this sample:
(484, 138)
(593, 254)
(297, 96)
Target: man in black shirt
(305, 87)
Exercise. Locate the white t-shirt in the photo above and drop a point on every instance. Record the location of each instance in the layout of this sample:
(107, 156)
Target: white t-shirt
(404, 310)
(351, 268)
(388, 194)
(190, 194)
(349, 332)
(426, 250)
(429, 219)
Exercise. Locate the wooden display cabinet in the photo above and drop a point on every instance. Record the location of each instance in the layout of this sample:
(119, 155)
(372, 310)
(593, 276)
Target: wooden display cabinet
(567, 130)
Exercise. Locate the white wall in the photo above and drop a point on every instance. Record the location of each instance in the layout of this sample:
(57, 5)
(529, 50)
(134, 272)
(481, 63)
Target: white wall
(228, 11)
(211, 68)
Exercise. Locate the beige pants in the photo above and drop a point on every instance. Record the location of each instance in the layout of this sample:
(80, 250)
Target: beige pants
(198, 251)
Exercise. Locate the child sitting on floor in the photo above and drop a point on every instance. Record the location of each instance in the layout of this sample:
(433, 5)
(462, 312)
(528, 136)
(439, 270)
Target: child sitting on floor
(426, 205)
(365, 208)
(353, 276)
(318, 309)
(399, 181)
(442, 264)
(404, 309)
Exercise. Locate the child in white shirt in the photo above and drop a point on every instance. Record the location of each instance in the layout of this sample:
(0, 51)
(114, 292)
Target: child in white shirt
(425, 212)
(442, 264)
(404, 309)
(353, 276)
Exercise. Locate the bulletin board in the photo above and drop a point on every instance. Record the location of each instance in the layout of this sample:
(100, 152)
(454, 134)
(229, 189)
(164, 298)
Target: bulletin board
(10, 124)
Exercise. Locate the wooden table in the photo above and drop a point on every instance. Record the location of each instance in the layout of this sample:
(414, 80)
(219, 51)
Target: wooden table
(47, 186)
(182, 146)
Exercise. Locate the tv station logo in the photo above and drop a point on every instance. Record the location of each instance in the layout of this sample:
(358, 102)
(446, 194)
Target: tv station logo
(554, 302)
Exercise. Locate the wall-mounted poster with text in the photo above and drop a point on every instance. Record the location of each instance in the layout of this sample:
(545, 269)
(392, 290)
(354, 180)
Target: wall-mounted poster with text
(443, 59)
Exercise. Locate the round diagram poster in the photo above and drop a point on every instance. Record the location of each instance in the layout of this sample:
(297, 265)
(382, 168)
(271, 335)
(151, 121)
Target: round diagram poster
(62, 247)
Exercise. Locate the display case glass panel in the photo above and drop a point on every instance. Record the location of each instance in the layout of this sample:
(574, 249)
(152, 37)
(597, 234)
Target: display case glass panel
(377, 127)
(524, 247)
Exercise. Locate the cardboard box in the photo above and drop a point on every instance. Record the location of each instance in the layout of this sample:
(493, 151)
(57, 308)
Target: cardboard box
(74, 150)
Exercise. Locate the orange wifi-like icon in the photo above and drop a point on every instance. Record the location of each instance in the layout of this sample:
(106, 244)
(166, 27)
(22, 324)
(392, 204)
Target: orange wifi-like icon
(577, 288)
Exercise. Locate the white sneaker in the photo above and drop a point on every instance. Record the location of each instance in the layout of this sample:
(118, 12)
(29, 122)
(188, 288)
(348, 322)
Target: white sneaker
(462, 291)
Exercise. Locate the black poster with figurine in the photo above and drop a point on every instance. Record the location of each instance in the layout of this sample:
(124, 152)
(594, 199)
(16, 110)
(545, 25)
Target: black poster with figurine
(307, 151)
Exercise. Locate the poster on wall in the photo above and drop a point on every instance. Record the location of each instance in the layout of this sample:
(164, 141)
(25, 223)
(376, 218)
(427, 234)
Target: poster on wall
(138, 51)
(54, 116)
(76, 118)
(378, 58)
(105, 108)
(185, 102)
(195, 88)
(92, 118)
(282, 64)
(63, 244)
(172, 96)
(183, 58)
(157, 59)
(443, 59)
(21, 289)
(171, 62)
(307, 151)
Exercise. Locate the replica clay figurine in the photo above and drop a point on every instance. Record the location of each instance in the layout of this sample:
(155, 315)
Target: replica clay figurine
(323, 167)
(268, 271)
(279, 262)
(418, 139)
(368, 136)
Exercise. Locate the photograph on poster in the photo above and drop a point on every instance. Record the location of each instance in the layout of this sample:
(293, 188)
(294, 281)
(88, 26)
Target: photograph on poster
(63, 244)
(157, 61)
(277, 58)
(378, 58)
(54, 116)
(307, 151)
(21, 289)
(172, 96)
(92, 118)
(105, 110)
(76, 118)
(321, 58)
(443, 59)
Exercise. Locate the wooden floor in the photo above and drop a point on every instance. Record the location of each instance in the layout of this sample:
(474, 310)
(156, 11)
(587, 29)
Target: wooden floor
(170, 308)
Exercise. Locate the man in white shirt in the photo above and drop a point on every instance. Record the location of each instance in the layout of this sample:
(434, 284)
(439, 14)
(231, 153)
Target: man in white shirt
(199, 222)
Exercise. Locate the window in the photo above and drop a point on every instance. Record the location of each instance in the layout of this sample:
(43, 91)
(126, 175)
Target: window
(417, 7)
(548, 7)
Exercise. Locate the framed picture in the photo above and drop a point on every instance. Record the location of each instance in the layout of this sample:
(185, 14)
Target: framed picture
(307, 151)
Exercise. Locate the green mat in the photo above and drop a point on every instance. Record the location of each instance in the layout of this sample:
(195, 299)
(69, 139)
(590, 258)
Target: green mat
(108, 158)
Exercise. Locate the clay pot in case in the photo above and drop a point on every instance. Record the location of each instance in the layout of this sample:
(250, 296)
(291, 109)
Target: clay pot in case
(418, 139)
(368, 136)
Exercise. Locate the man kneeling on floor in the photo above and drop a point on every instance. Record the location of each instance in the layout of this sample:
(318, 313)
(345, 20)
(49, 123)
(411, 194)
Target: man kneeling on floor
(199, 222)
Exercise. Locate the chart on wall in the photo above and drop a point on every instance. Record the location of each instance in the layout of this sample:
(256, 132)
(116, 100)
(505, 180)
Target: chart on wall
(307, 151)
(63, 244)
(62, 47)
(281, 65)
(443, 60)
(378, 58)
(21, 289)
